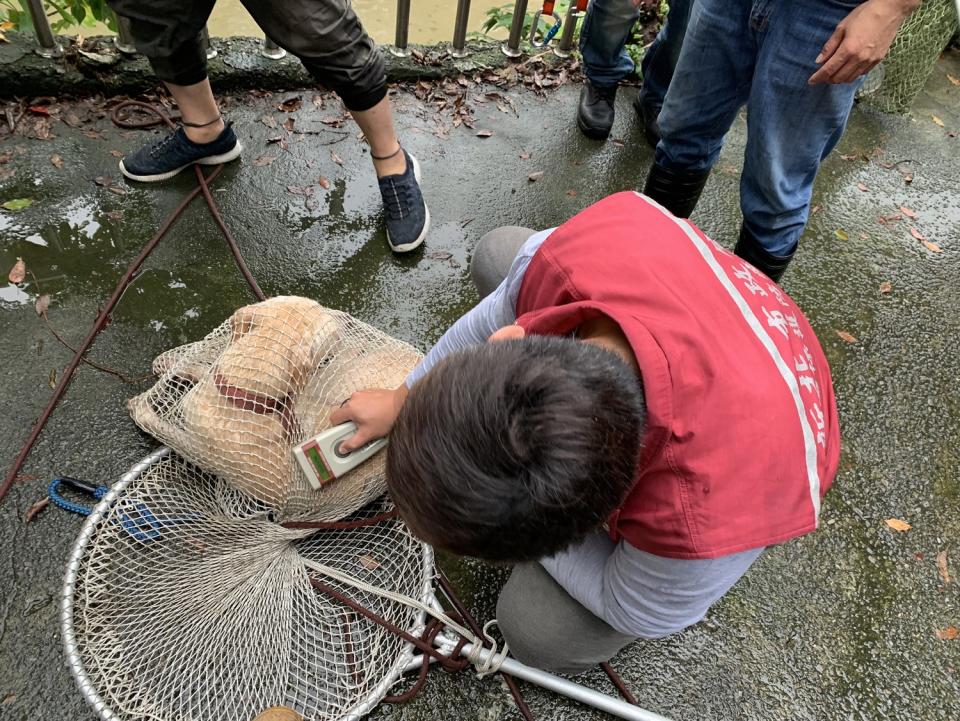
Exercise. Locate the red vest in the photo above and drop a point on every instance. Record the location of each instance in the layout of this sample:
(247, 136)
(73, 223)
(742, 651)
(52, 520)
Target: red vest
(742, 438)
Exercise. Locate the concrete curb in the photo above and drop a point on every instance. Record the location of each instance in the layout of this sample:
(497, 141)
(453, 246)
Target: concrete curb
(99, 68)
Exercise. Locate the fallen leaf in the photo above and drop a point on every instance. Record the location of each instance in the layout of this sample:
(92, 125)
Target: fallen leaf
(318, 101)
(288, 124)
(36, 508)
(864, 236)
(947, 634)
(484, 133)
(897, 525)
(571, 193)
(115, 214)
(841, 234)
(932, 247)
(44, 110)
(916, 234)
(534, 177)
(18, 203)
(104, 181)
(291, 104)
(849, 157)
(942, 566)
(886, 287)
(862, 187)
(324, 183)
(618, 143)
(52, 382)
(934, 118)
(369, 563)
(5, 158)
(18, 272)
(117, 191)
(264, 160)
(43, 302)
(269, 121)
(116, 153)
(816, 209)
(56, 161)
(336, 158)
(306, 190)
(10, 697)
(953, 79)
(846, 337)
(524, 155)
(908, 212)
(883, 220)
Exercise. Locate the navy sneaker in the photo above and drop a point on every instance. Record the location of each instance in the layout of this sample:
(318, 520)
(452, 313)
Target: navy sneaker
(408, 219)
(168, 156)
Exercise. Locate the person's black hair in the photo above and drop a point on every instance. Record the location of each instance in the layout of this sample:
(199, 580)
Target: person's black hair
(513, 450)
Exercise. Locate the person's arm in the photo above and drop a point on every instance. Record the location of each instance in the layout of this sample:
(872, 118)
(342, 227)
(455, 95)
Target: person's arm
(640, 594)
(861, 40)
(374, 411)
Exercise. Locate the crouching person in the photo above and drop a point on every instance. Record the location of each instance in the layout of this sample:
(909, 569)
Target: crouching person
(629, 416)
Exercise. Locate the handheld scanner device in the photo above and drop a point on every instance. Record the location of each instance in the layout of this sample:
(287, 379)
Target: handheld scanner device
(322, 460)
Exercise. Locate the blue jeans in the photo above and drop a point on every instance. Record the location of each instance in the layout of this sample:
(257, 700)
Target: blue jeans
(759, 53)
(604, 35)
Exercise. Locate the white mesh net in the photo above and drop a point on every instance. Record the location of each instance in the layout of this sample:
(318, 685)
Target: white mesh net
(236, 402)
(183, 602)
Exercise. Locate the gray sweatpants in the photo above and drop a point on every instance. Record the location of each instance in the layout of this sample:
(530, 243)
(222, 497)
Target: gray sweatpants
(325, 34)
(543, 624)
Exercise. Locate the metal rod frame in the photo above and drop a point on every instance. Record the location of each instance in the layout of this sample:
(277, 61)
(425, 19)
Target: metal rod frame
(403, 28)
(49, 47)
(271, 50)
(511, 48)
(460, 29)
(124, 38)
(562, 49)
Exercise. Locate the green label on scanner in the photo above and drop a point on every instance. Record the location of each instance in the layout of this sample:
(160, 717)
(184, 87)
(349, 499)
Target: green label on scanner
(316, 460)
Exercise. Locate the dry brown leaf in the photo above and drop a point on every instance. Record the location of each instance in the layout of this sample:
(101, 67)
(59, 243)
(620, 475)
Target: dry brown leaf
(816, 209)
(269, 121)
(908, 176)
(264, 160)
(618, 143)
(846, 337)
(932, 247)
(36, 508)
(897, 525)
(908, 212)
(853, 156)
(953, 79)
(917, 234)
(116, 153)
(104, 181)
(56, 161)
(324, 183)
(117, 191)
(43, 302)
(336, 158)
(291, 104)
(571, 193)
(288, 124)
(524, 155)
(484, 133)
(883, 220)
(10, 697)
(936, 120)
(886, 287)
(947, 634)
(305, 190)
(534, 177)
(369, 563)
(318, 101)
(862, 187)
(943, 566)
(52, 381)
(18, 272)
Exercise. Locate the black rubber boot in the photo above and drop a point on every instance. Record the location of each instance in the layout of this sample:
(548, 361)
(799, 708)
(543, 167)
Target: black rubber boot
(648, 116)
(595, 110)
(750, 250)
(676, 190)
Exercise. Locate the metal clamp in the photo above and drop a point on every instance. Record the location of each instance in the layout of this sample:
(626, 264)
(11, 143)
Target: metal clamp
(547, 36)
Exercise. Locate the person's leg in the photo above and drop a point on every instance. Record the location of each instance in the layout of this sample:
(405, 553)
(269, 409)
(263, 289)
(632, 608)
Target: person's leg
(710, 84)
(167, 32)
(658, 65)
(327, 37)
(603, 37)
(546, 628)
(792, 126)
(494, 255)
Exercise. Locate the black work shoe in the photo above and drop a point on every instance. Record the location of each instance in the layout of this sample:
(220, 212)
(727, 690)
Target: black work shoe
(408, 218)
(648, 116)
(171, 154)
(595, 110)
(676, 190)
(749, 248)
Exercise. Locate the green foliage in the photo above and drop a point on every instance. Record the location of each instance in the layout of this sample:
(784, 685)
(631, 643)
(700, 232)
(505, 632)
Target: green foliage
(62, 14)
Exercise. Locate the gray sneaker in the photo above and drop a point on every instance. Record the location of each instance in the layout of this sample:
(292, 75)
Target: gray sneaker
(408, 218)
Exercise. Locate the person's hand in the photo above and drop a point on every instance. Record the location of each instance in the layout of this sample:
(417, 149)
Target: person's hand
(861, 40)
(374, 411)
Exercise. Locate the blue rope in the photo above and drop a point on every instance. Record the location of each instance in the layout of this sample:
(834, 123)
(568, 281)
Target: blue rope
(53, 491)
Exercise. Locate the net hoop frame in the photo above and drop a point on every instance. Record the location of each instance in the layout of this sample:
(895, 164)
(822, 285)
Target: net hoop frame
(404, 662)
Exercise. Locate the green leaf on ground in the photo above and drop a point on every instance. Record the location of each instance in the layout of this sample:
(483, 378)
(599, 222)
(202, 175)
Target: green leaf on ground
(18, 203)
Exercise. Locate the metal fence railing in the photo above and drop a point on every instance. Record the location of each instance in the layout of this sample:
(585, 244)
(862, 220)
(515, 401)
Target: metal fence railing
(48, 46)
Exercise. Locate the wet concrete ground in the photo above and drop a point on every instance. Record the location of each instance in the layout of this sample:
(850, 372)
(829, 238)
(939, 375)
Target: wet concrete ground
(839, 625)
